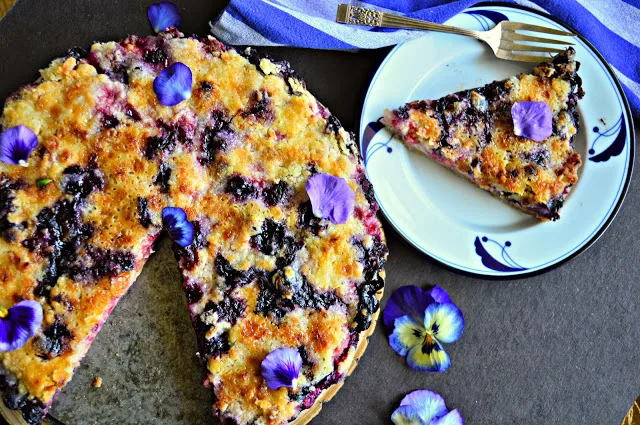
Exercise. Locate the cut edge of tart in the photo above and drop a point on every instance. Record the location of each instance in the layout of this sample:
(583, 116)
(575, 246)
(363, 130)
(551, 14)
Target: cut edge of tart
(471, 133)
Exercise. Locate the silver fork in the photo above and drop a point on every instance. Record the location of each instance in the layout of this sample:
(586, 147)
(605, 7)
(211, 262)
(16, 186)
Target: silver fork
(503, 38)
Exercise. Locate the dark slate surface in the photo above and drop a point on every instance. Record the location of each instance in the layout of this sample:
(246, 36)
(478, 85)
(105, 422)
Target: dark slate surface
(557, 348)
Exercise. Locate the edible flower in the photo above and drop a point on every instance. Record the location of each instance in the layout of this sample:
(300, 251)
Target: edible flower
(533, 120)
(16, 144)
(331, 197)
(173, 84)
(281, 368)
(179, 228)
(424, 407)
(42, 182)
(163, 15)
(18, 324)
(420, 322)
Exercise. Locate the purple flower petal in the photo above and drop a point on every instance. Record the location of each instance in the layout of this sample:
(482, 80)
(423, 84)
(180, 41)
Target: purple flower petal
(451, 418)
(407, 415)
(179, 228)
(173, 84)
(20, 323)
(163, 15)
(406, 301)
(281, 368)
(16, 144)
(331, 197)
(533, 120)
(428, 405)
(439, 295)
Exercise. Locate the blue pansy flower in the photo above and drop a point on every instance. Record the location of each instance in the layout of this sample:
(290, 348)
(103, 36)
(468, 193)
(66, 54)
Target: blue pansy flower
(163, 15)
(18, 324)
(173, 84)
(424, 407)
(420, 322)
(281, 368)
(178, 225)
(16, 144)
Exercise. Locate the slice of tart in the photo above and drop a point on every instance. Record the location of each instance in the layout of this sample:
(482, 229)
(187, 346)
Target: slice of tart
(262, 273)
(472, 133)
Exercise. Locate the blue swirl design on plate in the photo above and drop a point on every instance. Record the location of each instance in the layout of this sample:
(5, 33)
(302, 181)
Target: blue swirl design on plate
(370, 131)
(485, 17)
(619, 130)
(489, 261)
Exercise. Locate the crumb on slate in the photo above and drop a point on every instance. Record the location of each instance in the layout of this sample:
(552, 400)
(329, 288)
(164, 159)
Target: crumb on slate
(97, 383)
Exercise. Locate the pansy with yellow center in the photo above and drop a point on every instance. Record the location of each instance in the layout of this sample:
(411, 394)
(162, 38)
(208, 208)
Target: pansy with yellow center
(420, 322)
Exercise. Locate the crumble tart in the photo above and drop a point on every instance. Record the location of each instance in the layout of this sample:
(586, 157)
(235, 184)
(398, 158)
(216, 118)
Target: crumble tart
(471, 133)
(262, 271)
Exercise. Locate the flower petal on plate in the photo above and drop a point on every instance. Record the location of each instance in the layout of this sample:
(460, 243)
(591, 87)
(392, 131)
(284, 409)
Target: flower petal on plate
(179, 227)
(331, 197)
(439, 295)
(407, 415)
(428, 404)
(407, 333)
(173, 84)
(16, 144)
(281, 368)
(21, 323)
(451, 418)
(406, 300)
(533, 120)
(428, 357)
(163, 15)
(444, 321)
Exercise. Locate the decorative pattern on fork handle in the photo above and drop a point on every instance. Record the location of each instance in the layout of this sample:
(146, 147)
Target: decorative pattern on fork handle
(361, 16)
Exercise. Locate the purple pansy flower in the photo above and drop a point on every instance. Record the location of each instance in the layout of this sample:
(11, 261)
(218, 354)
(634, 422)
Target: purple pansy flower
(331, 197)
(420, 322)
(16, 144)
(173, 84)
(163, 15)
(533, 120)
(281, 368)
(424, 407)
(179, 228)
(18, 324)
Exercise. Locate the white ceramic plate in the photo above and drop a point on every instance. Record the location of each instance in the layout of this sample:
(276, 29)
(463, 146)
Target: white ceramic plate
(451, 220)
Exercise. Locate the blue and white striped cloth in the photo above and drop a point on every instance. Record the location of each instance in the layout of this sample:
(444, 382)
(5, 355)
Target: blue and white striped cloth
(613, 26)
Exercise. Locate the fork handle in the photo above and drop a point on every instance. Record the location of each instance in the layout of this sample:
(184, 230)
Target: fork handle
(355, 15)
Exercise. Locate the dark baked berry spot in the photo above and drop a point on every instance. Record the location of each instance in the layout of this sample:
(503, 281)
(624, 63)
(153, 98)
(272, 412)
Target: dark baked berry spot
(333, 125)
(232, 277)
(7, 195)
(308, 221)
(258, 107)
(206, 86)
(82, 181)
(373, 257)
(403, 113)
(216, 138)
(162, 178)
(54, 340)
(188, 257)
(240, 188)
(109, 121)
(132, 113)
(194, 292)
(278, 194)
(368, 303)
(156, 56)
(367, 189)
(270, 239)
(77, 53)
(144, 215)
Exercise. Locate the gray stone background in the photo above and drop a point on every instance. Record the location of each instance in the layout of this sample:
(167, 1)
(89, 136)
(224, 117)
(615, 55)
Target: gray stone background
(559, 348)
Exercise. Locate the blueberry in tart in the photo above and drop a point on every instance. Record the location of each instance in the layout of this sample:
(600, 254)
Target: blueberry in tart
(216, 147)
(513, 138)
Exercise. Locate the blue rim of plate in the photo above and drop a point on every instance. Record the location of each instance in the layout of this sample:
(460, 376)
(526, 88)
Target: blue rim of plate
(606, 222)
